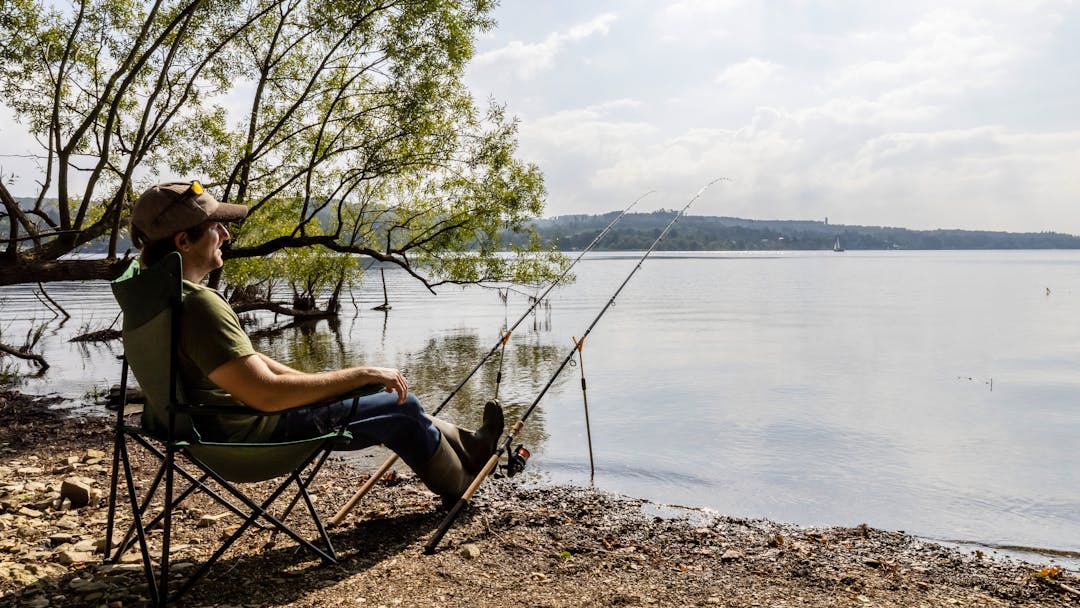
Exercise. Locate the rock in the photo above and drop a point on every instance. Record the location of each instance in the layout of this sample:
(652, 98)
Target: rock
(119, 568)
(84, 585)
(30, 470)
(47, 501)
(73, 460)
(27, 532)
(77, 491)
(28, 512)
(470, 551)
(207, 521)
(88, 545)
(68, 522)
(35, 486)
(75, 557)
(61, 538)
(732, 555)
(92, 454)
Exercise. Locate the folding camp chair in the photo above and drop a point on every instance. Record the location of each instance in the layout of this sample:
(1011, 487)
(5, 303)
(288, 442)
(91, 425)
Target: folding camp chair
(151, 302)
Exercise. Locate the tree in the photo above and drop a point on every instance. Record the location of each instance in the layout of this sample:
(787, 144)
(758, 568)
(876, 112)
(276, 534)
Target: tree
(343, 125)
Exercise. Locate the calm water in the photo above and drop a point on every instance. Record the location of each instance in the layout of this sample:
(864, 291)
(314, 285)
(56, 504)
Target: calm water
(931, 392)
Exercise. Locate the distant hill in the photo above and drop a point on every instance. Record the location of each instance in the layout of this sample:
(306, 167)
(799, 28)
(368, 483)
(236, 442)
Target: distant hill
(637, 231)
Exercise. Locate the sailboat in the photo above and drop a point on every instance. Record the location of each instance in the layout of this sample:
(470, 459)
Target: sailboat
(836, 246)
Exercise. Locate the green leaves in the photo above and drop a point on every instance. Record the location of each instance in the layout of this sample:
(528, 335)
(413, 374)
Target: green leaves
(344, 126)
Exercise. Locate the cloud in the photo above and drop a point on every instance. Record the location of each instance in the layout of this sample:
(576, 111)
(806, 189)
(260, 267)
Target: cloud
(697, 22)
(944, 52)
(811, 163)
(747, 75)
(529, 59)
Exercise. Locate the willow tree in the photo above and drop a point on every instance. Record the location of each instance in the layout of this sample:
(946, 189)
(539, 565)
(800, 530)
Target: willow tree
(343, 125)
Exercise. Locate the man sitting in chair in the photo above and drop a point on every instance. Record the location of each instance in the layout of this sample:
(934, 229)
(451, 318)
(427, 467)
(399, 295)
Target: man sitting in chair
(219, 366)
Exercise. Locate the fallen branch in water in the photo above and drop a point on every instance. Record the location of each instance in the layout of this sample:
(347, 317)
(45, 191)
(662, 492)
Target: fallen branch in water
(101, 335)
(14, 352)
(281, 309)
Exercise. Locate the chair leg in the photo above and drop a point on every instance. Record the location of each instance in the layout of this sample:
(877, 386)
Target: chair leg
(170, 456)
(258, 510)
(118, 440)
(302, 492)
(311, 506)
(140, 510)
(148, 568)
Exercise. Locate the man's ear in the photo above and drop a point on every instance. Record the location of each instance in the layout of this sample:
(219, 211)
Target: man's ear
(180, 239)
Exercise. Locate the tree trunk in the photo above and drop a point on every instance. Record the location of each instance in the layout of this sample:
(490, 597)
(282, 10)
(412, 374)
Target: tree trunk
(47, 271)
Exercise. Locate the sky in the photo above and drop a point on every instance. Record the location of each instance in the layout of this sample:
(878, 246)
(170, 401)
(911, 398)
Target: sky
(919, 114)
(939, 114)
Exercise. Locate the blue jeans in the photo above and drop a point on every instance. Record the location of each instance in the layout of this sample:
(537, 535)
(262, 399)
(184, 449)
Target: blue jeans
(378, 420)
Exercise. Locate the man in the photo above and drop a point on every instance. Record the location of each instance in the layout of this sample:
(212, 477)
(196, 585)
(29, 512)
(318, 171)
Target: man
(219, 366)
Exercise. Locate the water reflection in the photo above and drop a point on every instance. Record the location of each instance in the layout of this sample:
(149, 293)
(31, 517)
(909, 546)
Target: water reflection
(310, 345)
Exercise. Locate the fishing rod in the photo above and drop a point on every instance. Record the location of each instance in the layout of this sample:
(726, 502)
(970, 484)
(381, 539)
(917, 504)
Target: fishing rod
(504, 337)
(520, 455)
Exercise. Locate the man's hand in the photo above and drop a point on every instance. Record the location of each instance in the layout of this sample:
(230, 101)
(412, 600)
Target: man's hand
(393, 380)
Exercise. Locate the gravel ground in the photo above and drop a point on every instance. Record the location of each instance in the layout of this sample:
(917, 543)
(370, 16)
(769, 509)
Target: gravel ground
(551, 546)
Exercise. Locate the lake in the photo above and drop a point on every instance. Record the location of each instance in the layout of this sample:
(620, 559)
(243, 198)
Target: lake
(930, 392)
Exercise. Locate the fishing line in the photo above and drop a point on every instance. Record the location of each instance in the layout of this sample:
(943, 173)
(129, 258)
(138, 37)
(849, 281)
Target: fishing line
(505, 449)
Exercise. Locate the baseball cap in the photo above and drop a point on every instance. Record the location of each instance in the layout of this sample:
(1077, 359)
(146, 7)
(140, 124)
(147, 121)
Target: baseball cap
(165, 209)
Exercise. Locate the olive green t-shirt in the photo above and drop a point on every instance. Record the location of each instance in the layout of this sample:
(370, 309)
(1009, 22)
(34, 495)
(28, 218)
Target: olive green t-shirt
(210, 335)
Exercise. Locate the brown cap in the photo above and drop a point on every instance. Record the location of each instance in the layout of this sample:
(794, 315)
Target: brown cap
(165, 209)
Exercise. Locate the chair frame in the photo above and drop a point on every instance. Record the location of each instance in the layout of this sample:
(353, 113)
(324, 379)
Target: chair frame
(167, 446)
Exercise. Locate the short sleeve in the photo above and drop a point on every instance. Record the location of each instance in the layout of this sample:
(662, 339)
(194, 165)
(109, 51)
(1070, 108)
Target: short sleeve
(210, 333)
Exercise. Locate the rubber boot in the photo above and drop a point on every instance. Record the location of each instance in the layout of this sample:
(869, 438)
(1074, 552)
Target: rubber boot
(474, 448)
(444, 474)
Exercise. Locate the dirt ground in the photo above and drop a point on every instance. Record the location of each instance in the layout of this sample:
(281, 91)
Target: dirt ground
(551, 546)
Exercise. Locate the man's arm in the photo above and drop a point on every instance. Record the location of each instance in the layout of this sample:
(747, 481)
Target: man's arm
(276, 366)
(256, 383)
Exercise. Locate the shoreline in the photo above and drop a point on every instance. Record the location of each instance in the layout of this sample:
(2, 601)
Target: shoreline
(550, 546)
(1068, 560)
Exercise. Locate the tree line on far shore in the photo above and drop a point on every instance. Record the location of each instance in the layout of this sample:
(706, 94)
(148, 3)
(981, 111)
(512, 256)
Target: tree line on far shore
(637, 231)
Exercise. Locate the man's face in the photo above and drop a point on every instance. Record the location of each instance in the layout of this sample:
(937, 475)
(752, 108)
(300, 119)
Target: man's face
(204, 254)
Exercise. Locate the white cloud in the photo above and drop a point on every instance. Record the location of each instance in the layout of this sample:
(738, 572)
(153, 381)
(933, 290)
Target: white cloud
(696, 22)
(747, 75)
(529, 59)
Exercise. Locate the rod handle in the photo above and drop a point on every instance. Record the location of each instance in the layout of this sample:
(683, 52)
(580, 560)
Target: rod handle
(364, 489)
(462, 502)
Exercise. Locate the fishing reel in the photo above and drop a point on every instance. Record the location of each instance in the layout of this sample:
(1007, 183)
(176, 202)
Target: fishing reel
(515, 463)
